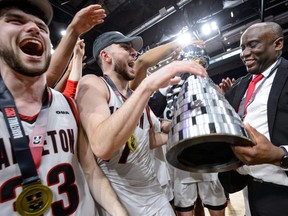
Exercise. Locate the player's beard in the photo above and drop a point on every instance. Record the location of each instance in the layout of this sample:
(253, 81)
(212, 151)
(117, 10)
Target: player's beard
(120, 68)
(15, 63)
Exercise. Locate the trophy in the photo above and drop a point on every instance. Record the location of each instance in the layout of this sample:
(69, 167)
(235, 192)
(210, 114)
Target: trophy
(204, 124)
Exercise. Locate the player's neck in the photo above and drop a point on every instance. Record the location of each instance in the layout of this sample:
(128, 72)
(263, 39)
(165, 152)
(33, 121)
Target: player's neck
(121, 84)
(26, 91)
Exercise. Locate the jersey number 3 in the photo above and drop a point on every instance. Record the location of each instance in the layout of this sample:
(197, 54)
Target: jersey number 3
(66, 186)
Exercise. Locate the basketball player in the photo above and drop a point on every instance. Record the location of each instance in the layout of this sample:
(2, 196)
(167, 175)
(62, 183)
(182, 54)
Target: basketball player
(40, 173)
(116, 121)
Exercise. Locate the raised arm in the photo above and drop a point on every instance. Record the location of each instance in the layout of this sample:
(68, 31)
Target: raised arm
(82, 22)
(107, 133)
(149, 59)
(153, 56)
(74, 70)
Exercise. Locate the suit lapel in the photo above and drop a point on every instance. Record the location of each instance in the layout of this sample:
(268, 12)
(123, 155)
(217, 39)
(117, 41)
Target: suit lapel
(240, 89)
(276, 88)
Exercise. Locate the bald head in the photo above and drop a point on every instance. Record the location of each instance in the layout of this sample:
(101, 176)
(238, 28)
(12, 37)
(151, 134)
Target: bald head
(269, 27)
(261, 45)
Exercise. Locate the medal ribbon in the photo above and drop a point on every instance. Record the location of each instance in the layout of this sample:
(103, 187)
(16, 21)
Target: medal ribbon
(18, 138)
(123, 98)
(37, 137)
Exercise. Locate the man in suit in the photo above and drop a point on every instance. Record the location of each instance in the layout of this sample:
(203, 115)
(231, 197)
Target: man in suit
(265, 116)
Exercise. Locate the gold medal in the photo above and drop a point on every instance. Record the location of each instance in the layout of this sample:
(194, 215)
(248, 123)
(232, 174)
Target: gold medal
(132, 143)
(35, 199)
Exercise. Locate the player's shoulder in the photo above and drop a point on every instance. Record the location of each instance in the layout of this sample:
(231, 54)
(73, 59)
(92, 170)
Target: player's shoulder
(90, 79)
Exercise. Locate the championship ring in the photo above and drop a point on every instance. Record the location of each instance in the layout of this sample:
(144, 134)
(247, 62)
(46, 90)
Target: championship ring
(35, 199)
(132, 143)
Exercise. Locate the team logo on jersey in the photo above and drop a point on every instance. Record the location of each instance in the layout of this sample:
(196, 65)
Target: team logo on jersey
(132, 143)
(62, 112)
(37, 140)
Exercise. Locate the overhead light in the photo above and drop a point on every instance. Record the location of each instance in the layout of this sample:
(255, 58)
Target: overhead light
(184, 39)
(63, 32)
(206, 30)
(209, 28)
(231, 14)
(214, 26)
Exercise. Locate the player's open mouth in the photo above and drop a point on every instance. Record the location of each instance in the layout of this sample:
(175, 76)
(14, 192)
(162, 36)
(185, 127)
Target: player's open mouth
(131, 63)
(31, 47)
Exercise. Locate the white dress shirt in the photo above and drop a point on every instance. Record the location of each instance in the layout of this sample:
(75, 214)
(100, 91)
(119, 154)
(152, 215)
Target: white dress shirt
(257, 118)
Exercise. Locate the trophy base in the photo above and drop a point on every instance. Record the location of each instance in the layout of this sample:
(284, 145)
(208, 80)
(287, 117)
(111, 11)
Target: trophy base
(206, 154)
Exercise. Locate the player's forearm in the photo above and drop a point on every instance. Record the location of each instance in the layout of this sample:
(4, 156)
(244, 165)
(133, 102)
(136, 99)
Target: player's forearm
(160, 139)
(153, 56)
(149, 59)
(98, 183)
(104, 194)
(61, 56)
(76, 71)
(120, 125)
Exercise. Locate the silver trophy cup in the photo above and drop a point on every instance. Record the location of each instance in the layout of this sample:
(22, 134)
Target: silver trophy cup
(204, 126)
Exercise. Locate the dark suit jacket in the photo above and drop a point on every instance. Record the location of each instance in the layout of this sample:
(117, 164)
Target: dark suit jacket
(265, 199)
(277, 107)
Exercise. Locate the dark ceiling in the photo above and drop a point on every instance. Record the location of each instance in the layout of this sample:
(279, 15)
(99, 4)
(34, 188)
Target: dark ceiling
(157, 21)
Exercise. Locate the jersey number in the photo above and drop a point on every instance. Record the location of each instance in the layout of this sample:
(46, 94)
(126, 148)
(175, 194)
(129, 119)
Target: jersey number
(66, 185)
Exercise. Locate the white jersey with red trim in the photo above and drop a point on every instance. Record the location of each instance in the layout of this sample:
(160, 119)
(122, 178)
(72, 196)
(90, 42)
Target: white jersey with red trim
(131, 172)
(59, 168)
